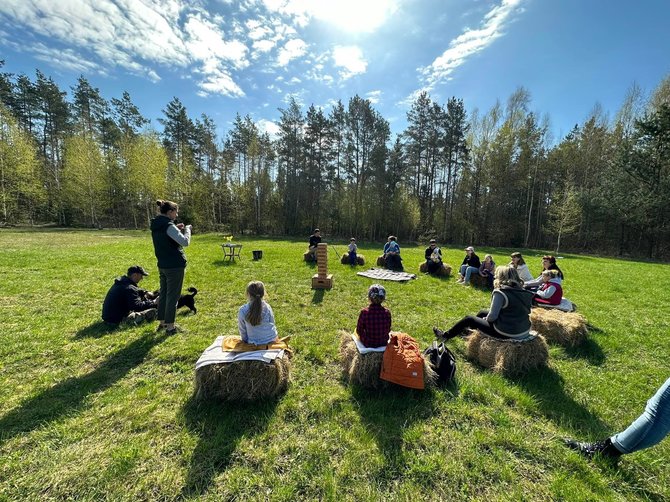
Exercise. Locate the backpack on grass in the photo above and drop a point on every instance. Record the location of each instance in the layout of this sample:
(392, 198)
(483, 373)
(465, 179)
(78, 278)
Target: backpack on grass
(442, 360)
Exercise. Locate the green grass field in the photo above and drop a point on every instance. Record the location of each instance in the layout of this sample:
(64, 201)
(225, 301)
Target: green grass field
(88, 414)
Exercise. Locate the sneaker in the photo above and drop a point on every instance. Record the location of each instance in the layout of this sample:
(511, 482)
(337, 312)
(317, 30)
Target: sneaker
(174, 330)
(603, 448)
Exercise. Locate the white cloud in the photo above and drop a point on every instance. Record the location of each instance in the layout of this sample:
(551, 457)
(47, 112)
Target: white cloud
(470, 42)
(350, 59)
(269, 127)
(292, 49)
(137, 36)
(374, 96)
(264, 45)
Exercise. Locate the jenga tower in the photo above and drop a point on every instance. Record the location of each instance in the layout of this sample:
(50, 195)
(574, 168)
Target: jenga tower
(322, 280)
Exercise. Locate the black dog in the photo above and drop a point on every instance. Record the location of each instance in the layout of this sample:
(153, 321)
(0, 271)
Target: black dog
(184, 300)
(188, 300)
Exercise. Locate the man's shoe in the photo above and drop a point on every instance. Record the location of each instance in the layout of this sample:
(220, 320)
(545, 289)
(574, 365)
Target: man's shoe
(603, 448)
(174, 330)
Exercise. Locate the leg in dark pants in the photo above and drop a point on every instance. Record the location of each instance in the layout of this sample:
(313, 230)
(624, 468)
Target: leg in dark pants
(472, 322)
(171, 281)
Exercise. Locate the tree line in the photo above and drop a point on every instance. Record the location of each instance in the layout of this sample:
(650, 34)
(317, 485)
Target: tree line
(495, 177)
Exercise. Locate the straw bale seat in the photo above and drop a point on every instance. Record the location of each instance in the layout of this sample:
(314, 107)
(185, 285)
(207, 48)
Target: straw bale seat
(360, 259)
(243, 380)
(444, 271)
(568, 329)
(364, 369)
(507, 356)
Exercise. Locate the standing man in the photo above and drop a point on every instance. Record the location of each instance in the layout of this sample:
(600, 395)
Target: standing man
(125, 302)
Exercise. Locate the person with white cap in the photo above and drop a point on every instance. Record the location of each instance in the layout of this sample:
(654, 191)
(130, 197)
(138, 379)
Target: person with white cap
(470, 265)
(374, 321)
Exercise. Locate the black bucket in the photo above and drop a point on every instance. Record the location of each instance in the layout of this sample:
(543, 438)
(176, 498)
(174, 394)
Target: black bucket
(257, 254)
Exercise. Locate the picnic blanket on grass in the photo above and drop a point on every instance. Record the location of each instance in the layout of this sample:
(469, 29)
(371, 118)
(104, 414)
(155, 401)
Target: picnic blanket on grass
(214, 354)
(387, 275)
(565, 305)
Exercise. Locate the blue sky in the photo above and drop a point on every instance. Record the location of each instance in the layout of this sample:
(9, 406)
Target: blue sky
(222, 57)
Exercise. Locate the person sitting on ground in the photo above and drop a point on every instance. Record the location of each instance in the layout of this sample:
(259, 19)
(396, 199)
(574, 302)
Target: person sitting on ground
(550, 292)
(433, 256)
(469, 266)
(521, 268)
(125, 302)
(508, 315)
(392, 259)
(314, 241)
(255, 319)
(374, 321)
(548, 263)
(647, 430)
(352, 251)
(487, 269)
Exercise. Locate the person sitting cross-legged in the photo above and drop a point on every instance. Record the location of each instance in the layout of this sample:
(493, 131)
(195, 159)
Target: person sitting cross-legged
(126, 302)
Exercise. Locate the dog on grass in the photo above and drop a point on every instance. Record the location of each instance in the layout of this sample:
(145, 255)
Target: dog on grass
(184, 300)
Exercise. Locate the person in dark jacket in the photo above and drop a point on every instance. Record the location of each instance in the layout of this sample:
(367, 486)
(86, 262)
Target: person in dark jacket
(433, 256)
(509, 313)
(314, 241)
(469, 266)
(126, 302)
(169, 240)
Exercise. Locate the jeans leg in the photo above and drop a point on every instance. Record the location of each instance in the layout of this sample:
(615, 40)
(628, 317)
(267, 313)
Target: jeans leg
(468, 272)
(650, 427)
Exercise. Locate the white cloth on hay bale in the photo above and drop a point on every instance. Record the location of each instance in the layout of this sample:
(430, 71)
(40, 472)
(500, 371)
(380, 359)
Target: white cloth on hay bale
(241, 376)
(214, 354)
(565, 305)
(362, 349)
(508, 356)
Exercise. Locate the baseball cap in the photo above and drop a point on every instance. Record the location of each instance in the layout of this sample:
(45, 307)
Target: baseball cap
(432, 241)
(470, 248)
(136, 269)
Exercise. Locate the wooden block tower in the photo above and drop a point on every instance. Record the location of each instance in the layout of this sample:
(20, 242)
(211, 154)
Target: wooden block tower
(322, 280)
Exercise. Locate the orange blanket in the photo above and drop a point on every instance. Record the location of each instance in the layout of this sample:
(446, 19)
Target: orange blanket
(235, 344)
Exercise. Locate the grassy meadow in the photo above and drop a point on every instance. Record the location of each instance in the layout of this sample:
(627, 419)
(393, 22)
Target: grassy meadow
(89, 414)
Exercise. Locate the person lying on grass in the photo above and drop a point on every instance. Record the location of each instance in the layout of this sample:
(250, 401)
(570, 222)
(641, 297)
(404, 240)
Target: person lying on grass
(374, 321)
(550, 292)
(508, 315)
(125, 302)
(255, 319)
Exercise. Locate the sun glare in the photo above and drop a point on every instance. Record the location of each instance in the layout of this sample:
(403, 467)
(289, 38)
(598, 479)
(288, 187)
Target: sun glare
(355, 15)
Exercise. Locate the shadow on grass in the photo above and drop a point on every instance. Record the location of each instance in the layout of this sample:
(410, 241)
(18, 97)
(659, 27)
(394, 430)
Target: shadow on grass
(588, 350)
(224, 263)
(387, 414)
(96, 330)
(546, 386)
(317, 297)
(220, 427)
(68, 396)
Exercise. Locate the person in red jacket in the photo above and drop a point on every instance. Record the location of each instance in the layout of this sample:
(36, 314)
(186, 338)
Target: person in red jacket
(550, 291)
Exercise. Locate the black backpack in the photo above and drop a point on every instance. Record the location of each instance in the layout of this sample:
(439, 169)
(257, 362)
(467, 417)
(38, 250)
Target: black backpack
(442, 360)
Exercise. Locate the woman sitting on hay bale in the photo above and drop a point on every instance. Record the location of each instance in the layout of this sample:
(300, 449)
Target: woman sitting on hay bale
(509, 313)
(548, 263)
(521, 268)
(392, 258)
(255, 319)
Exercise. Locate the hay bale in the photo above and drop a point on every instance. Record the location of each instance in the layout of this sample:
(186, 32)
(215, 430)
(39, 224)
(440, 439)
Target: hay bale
(568, 329)
(381, 262)
(507, 357)
(364, 369)
(360, 259)
(444, 271)
(243, 380)
(479, 281)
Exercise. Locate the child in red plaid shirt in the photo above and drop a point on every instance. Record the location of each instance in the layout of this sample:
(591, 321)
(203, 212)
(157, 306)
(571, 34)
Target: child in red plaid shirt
(374, 321)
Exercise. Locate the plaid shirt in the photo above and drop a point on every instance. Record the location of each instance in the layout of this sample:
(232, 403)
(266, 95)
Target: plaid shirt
(374, 324)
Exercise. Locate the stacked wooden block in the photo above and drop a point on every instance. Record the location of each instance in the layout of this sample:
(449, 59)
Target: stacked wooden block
(322, 280)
